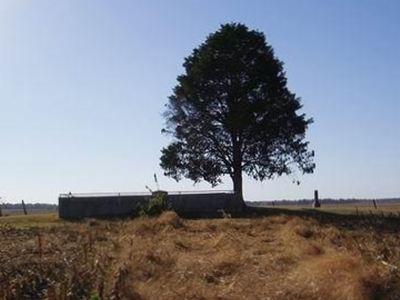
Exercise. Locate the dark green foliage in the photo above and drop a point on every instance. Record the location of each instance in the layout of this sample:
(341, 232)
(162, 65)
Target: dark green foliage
(156, 205)
(232, 111)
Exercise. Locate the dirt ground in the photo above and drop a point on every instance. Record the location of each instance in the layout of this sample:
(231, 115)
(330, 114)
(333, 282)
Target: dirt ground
(268, 257)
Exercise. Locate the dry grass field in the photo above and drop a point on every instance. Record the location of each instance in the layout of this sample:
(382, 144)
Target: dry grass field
(363, 208)
(278, 256)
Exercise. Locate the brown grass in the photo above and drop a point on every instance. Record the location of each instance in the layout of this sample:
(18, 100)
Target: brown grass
(335, 276)
(36, 220)
(277, 257)
(170, 218)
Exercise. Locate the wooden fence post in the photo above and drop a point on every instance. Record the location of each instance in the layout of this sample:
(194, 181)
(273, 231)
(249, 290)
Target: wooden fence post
(40, 245)
(24, 207)
(373, 201)
(316, 202)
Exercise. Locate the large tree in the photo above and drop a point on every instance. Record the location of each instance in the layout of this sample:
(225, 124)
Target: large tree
(232, 112)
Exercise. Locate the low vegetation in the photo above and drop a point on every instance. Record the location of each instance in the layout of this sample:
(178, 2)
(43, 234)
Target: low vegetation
(166, 257)
(156, 206)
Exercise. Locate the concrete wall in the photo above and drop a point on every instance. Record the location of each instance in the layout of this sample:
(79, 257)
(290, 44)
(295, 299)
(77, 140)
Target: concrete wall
(197, 205)
(99, 206)
(192, 205)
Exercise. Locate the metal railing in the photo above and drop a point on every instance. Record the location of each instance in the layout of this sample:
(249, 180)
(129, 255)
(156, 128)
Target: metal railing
(103, 194)
(116, 194)
(200, 192)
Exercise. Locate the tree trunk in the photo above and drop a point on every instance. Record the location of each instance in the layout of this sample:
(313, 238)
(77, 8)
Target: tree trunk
(238, 183)
(237, 170)
(238, 203)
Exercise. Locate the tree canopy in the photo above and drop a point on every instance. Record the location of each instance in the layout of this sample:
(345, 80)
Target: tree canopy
(232, 112)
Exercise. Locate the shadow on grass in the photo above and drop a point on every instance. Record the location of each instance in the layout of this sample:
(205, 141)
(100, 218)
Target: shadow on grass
(376, 222)
(390, 222)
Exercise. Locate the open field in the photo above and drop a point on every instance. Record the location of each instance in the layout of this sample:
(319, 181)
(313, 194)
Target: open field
(31, 211)
(351, 208)
(278, 255)
(31, 220)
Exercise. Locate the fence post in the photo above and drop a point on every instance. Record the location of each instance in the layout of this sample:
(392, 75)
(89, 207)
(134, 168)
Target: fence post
(373, 201)
(24, 207)
(316, 202)
(40, 245)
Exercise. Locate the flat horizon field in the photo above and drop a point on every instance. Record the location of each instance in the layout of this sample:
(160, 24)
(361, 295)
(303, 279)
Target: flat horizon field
(273, 256)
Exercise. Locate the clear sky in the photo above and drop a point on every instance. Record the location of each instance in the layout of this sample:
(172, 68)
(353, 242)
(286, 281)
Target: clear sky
(83, 84)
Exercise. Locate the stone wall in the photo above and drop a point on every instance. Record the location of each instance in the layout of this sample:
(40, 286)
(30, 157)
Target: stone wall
(192, 205)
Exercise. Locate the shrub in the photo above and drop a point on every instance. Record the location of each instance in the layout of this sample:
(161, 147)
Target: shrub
(155, 206)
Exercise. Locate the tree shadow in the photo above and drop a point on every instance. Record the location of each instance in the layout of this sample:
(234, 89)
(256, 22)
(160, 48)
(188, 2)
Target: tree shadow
(376, 222)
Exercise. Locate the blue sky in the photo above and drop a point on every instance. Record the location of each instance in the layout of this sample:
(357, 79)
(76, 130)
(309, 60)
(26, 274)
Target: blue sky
(83, 84)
